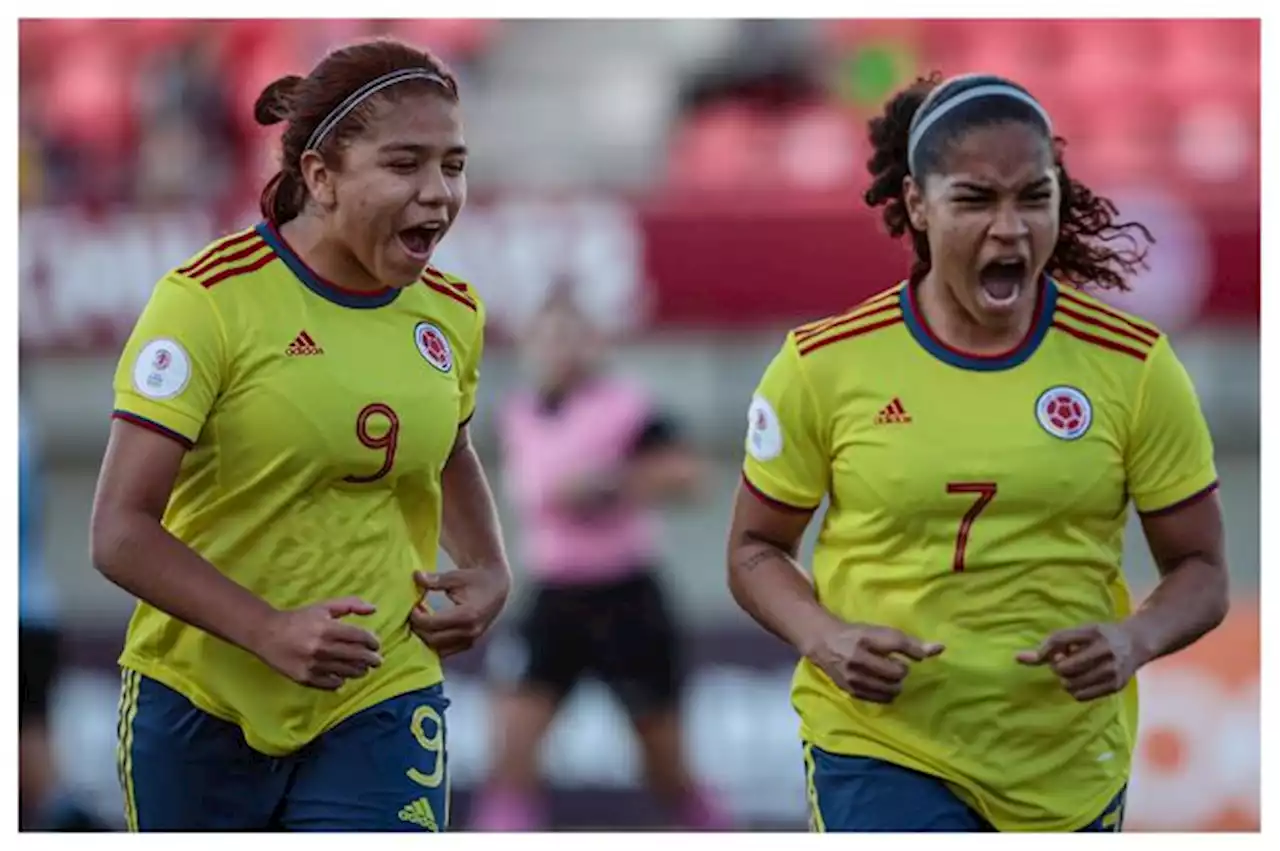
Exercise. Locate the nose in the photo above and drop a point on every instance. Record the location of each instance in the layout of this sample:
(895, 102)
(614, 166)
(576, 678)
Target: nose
(1008, 223)
(434, 190)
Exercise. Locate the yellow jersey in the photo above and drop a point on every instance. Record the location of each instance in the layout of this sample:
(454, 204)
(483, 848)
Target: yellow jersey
(979, 502)
(318, 421)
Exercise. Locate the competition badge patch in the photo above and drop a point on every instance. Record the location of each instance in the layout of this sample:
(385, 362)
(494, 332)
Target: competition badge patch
(764, 432)
(162, 369)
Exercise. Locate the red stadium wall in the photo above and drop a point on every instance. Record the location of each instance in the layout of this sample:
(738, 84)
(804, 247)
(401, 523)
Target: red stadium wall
(639, 265)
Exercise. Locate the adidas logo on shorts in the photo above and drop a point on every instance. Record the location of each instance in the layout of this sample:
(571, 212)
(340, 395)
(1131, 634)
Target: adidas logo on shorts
(420, 813)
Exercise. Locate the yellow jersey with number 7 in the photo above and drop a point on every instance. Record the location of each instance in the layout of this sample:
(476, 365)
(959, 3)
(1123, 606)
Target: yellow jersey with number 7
(979, 502)
(318, 421)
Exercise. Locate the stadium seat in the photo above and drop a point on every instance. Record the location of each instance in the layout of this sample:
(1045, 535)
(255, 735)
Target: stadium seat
(1216, 138)
(1202, 57)
(88, 100)
(821, 148)
(718, 148)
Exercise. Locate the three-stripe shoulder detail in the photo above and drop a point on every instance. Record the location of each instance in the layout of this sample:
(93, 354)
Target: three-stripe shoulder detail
(456, 290)
(880, 311)
(235, 255)
(1098, 324)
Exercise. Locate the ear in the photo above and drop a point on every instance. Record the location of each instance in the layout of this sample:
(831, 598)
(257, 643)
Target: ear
(913, 196)
(319, 179)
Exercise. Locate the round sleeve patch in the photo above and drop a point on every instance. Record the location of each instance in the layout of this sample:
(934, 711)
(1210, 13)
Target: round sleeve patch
(764, 431)
(162, 369)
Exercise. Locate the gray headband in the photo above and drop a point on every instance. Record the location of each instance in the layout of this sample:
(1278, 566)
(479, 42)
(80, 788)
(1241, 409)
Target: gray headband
(363, 93)
(920, 126)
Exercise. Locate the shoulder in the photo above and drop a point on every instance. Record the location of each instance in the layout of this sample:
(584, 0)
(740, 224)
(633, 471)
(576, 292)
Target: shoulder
(239, 256)
(857, 326)
(1089, 321)
(456, 291)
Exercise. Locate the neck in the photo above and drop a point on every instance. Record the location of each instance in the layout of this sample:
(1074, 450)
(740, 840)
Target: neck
(328, 258)
(960, 329)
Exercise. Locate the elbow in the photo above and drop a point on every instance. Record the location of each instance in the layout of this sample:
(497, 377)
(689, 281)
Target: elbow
(733, 579)
(1221, 602)
(109, 537)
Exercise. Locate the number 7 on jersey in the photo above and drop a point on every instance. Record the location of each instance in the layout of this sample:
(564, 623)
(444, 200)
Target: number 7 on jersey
(984, 493)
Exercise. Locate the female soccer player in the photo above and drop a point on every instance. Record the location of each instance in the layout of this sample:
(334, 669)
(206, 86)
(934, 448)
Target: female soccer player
(289, 448)
(968, 643)
(586, 454)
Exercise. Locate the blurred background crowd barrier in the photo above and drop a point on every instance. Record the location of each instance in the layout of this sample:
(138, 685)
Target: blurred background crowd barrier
(699, 184)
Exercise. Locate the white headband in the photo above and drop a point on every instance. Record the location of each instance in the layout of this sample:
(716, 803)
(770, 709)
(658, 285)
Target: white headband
(920, 126)
(363, 93)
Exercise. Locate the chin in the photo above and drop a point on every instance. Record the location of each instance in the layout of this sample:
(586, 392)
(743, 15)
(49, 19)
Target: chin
(403, 272)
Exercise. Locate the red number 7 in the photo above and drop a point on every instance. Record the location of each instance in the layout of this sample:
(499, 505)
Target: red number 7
(985, 491)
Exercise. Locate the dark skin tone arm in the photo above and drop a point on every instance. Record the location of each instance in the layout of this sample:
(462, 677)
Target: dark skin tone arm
(471, 535)
(130, 547)
(1191, 600)
(768, 583)
(667, 473)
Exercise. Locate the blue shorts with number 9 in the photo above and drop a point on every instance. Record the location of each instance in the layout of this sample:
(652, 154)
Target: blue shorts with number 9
(182, 769)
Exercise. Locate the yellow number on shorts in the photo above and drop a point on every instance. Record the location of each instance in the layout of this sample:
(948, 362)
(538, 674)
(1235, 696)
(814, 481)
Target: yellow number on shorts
(431, 744)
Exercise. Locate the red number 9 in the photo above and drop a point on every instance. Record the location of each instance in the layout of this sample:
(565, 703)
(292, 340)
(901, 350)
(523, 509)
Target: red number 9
(386, 442)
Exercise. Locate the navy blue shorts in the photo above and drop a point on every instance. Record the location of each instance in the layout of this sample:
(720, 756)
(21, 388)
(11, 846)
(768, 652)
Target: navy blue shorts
(182, 769)
(860, 794)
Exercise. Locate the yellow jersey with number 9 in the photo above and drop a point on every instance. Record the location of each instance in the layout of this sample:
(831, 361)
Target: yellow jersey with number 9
(979, 502)
(318, 421)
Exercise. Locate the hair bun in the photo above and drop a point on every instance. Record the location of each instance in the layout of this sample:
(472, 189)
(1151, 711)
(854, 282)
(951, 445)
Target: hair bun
(273, 104)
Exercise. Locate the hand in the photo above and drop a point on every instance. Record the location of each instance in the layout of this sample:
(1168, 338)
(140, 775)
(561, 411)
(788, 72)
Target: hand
(312, 647)
(1091, 661)
(592, 494)
(861, 659)
(478, 595)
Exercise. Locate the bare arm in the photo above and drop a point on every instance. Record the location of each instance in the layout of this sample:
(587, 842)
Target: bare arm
(765, 578)
(470, 532)
(1191, 598)
(670, 473)
(471, 535)
(130, 547)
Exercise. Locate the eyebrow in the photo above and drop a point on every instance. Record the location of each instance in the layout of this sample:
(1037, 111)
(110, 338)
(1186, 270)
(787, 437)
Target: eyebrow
(414, 148)
(970, 186)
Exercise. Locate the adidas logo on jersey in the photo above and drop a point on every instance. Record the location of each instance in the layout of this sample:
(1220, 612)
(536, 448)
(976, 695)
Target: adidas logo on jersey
(420, 813)
(303, 345)
(893, 413)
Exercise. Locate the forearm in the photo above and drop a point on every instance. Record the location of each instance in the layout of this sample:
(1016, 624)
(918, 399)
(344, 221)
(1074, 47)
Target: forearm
(138, 554)
(668, 477)
(1190, 601)
(771, 586)
(470, 531)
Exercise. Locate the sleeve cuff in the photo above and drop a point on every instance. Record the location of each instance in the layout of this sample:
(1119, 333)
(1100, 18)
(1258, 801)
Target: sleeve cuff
(152, 425)
(774, 502)
(1168, 502)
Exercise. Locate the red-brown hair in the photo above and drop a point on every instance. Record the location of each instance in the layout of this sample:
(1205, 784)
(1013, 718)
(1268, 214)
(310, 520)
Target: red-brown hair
(305, 102)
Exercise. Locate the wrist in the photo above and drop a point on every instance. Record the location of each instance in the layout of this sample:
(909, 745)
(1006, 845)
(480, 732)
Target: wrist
(813, 633)
(260, 627)
(1137, 629)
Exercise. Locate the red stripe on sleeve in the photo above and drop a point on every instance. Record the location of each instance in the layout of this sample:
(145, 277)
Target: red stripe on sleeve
(771, 502)
(1182, 503)
(151, 425)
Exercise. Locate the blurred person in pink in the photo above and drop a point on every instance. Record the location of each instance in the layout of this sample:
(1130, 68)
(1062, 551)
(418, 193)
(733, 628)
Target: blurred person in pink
(586, 456)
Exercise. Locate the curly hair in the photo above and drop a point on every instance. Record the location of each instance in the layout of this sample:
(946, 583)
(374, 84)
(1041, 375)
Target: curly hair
(1085, 253)
(302, 103)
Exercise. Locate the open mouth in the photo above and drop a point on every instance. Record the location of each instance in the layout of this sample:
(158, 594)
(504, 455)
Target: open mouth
(419, 240)
(1001, 281)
